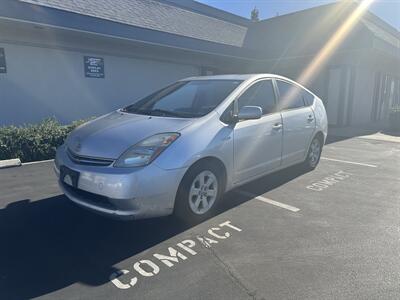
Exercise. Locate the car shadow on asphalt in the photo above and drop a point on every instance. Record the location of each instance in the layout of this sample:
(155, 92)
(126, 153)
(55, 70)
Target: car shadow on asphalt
(50, 243)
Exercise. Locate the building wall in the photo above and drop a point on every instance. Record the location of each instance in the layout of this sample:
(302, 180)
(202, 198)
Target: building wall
(305, 32)
(363, 95)
(42, 82)
(45, 72)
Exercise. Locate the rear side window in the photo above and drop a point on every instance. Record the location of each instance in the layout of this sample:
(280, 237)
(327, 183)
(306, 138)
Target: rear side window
(259, 94)
(290, 96)
(308, 98)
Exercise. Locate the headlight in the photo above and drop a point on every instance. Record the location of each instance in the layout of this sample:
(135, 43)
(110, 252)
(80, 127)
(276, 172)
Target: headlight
(146, 151)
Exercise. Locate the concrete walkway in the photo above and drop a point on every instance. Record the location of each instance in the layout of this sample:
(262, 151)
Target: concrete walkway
(371, 132)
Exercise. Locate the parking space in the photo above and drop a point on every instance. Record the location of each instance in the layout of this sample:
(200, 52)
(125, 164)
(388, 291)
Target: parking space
(329, 233)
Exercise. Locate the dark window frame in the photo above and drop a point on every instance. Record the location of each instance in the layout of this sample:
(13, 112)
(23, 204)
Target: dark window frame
(313, 98)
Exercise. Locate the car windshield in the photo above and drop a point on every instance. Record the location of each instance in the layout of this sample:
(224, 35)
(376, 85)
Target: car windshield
(186, 99)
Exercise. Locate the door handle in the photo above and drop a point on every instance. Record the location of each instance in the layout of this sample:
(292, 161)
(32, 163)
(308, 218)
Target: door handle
(310, 118)
(277, 126)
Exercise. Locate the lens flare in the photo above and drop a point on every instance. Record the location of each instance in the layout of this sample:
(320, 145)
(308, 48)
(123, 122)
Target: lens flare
(333, 43)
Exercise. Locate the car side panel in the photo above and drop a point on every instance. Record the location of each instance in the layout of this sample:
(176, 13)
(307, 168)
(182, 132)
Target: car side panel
(257, 146)
(208, 137)
(320, 116)
(297, 133)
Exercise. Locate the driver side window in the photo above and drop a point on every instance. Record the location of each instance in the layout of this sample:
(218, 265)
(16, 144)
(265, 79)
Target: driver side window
(259, 94)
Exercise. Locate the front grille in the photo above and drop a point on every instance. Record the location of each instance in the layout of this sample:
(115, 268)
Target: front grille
(89, 197)
(85, 160)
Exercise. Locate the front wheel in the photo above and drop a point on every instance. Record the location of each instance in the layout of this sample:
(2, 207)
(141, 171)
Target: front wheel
(200, 190)
(314, 154)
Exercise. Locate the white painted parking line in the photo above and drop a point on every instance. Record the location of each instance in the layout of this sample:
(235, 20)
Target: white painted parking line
(349, 162)
(270, 201)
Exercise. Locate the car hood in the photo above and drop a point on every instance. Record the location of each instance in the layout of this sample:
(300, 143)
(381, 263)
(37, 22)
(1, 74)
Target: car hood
(112, 134)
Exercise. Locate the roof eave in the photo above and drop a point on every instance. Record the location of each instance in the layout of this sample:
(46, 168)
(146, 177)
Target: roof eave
(59, 19)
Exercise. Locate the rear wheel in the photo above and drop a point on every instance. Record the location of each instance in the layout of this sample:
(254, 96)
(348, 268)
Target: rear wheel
(314, 154)
(200, 190)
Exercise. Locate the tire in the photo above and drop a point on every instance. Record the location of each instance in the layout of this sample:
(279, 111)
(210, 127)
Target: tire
(313, 154)
(200, 190)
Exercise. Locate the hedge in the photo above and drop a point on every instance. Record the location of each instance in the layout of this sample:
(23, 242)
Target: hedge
(32, 142)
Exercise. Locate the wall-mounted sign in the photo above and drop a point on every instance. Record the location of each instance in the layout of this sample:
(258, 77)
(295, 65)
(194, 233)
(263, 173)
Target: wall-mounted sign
(3, 67)
(94, 67)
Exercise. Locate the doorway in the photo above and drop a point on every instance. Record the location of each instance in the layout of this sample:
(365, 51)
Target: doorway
(339, 95)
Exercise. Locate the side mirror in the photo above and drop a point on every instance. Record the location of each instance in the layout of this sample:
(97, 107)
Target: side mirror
(249, 113)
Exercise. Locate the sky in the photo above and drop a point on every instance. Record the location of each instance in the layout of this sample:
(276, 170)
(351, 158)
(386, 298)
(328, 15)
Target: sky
(388, 10)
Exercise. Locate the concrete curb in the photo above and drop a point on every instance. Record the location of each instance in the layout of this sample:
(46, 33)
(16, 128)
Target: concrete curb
(8, 163)
(37, 162)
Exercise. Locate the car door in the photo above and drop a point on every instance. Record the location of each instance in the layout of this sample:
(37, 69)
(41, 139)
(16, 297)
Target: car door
(258, 143)
(298, 122)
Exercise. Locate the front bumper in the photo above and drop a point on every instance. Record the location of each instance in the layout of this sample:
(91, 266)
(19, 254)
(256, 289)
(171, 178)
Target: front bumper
(121, 193)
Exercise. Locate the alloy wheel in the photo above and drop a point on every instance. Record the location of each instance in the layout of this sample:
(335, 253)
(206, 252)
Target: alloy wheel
(315, 152)
(203, 192)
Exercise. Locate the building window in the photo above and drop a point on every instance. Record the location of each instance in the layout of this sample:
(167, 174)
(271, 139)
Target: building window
(3, 67)
(386, 95)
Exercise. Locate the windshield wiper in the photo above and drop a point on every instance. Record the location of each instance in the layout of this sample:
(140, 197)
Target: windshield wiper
(164, 112)
(153, 112)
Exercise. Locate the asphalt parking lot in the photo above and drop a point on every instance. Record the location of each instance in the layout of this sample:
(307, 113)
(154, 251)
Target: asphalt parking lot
(333, 233)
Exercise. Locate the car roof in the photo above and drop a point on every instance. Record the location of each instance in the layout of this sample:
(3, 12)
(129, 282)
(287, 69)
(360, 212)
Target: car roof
(245, 77)
(234, 77)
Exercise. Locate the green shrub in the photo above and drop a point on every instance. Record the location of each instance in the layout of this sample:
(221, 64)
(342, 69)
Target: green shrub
(33, 142)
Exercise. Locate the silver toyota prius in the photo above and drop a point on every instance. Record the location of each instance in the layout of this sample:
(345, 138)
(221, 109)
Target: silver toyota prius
(179, 149)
